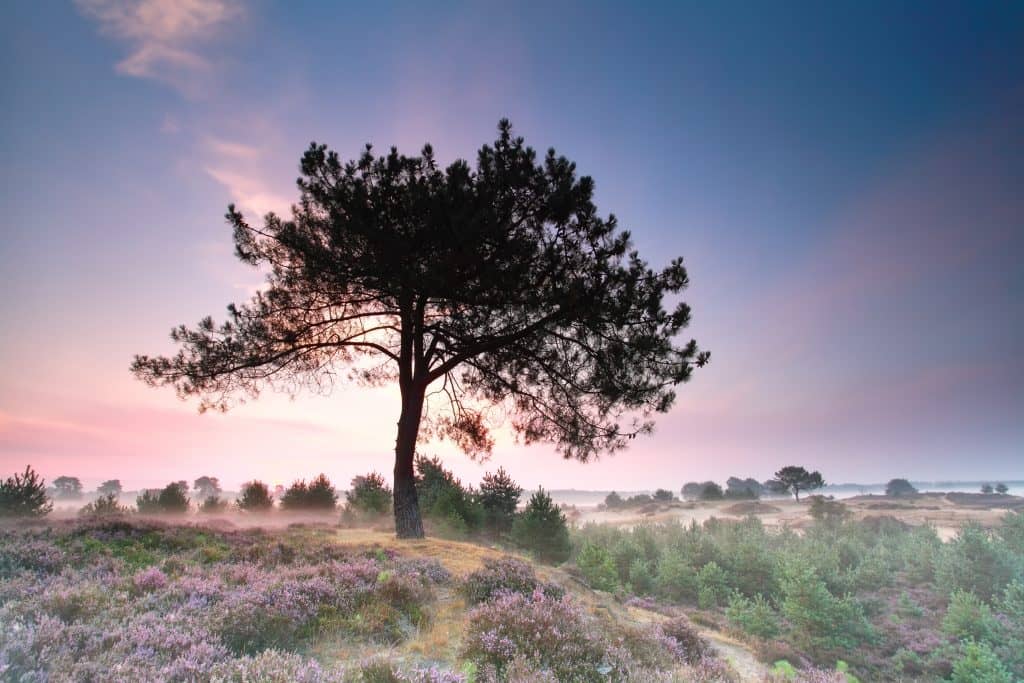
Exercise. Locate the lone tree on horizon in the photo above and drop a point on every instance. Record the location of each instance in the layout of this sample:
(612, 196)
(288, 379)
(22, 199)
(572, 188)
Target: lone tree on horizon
(796, 479)
(494, 286)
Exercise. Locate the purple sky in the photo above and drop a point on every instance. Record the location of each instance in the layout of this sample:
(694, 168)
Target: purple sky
(844, 182)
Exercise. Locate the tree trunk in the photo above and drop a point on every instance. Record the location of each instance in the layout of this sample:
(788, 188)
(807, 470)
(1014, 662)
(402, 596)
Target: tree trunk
(408, 523)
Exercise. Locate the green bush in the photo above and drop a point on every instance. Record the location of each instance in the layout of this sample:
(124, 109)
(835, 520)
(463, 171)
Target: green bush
(213, 505)
(499, 497)
(444, 499)
(975, 561)
(170, 500)
(641, 578)
(979, 664)
(255, 497)
(712, 585)
(368, 495)
(541, 528)
(316, 496)
(820, 620)
(24, 495)
(104, 506)
(677, 579)
(596, 566)
(967, 617)
(754, 617)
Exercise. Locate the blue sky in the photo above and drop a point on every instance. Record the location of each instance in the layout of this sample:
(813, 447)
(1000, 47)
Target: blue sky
(843, 180)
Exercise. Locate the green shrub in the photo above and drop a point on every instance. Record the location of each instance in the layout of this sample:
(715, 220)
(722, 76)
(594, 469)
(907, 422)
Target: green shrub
(444, 499)
(975, 561)
(499, 497)
(316, 496)
(24, 495)
(712, 586)
(677, 579)
(255, 497)
(170, 500)
(368, 495)
(541, 528)
(754, 617)
(979, 664)
(104, 506)
(596, 566)
(820, 620)
(641, 578)
(967, 617)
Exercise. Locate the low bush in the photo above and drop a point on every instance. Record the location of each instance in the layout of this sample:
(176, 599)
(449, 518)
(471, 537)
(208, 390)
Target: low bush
(755, 617)
(368, 495)
(979, 664)
(595, 564)
(967, 617)
(171, 499)
(213, 505)
(504, 575)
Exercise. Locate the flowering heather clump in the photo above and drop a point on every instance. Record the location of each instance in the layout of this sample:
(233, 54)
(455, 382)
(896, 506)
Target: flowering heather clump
(504, 575)
(149, 580)
(431, 570)
(88, 613)
(550, 634)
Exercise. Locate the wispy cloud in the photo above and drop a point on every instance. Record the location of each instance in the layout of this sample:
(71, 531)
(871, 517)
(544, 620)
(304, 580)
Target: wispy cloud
(165, 37)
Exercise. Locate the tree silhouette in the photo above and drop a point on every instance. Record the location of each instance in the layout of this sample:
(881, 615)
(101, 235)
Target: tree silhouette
(797, 479)
(68, 488)
(472, 288)
(207, 487)
(111, 486)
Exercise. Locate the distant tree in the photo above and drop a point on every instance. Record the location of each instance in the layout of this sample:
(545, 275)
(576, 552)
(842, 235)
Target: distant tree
(638, 500)
(499, 495)
(496, 285)
(613, 500)
(541, 528)
(294, 497)
(106, 505)
(797, 479)
(206, 487)
(67, 488)
(663, 496)
(369, 494)
(255, 497)
(1001, 488)
(899, 487)
(986, 488)
(775, 487)
(316, 496)
(692, 490)
(172, 499)
(443, 497)
(111, 486)
(24, 495)
(742, 488)
(711, 491)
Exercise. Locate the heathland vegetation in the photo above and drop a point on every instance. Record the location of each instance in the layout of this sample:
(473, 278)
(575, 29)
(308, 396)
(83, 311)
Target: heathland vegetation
(839, 599)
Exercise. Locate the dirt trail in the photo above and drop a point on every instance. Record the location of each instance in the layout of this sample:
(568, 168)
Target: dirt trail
(741, 659)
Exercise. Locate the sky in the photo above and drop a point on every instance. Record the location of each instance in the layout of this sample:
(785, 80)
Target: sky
(845, 182)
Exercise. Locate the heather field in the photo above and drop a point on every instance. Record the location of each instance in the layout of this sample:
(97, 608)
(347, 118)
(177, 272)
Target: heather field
(191, 598)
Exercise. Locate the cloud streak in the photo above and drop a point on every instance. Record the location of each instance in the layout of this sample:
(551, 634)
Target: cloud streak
(165, 37)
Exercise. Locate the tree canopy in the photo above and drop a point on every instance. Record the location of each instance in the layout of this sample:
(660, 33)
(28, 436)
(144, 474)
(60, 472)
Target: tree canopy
(797, 479)
(494, 286)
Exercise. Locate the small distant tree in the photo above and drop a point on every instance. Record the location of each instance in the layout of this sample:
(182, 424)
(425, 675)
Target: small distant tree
(986, 488)
(899, 487)
(499, 496)
(613, 500)
(106, 505)
(206, 487)
(711, 491)
(797, 479)
(775, 487)
(663, 496)
(255, 497)
(368, 495)
(1001, 488)
(111, 486)
(24, 495)
(67, 488)
(316, 496)
(213, 505)
(541, 528)
(743, 488)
